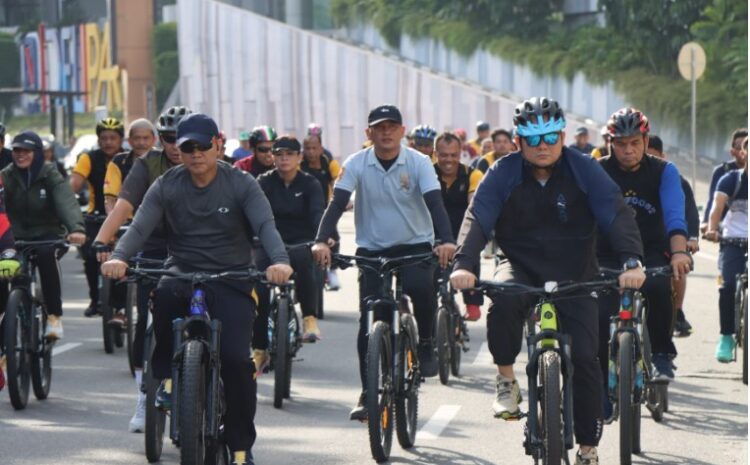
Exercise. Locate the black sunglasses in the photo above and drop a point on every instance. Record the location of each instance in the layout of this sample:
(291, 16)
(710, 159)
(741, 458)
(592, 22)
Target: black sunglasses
(191, 146)
(169, 137)
(263, 149)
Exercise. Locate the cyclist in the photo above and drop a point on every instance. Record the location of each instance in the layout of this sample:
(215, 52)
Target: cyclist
(91, 168)
(205, 205)
(141, 137)
(223, 149)
(243, 151)
(651, 187)
(602, 150)
(730, 195)
(682, 328)
(502, 142)
(49, 155)
(41, 206)
(326, 170)
(6, 157)
(483, 132)
(582, 141)
(261, 142)
(297, 203)
(422, 139)
(543, 205)
(458, 183)
(144, 172)
(8, 268)
(314, 129)
(720, 170)
(398, 200)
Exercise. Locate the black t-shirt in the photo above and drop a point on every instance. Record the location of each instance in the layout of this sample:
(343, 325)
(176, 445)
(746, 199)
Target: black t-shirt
(297, 208)
(6, 157)
(455, 196)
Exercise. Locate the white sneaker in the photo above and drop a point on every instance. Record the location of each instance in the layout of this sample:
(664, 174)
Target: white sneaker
(54, 328)
(589, 458)
(333, 281)
(507, 398)
(138, 422)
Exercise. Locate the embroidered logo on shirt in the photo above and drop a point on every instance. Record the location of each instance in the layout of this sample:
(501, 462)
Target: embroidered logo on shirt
(405, 181)
(297, 194)
(223, 210)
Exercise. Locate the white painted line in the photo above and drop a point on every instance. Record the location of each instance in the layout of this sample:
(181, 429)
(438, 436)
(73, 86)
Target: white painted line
(57, 350)
(484, 357)
(438, 422)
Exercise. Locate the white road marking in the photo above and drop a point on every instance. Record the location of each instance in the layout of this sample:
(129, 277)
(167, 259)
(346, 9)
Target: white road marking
(57, 350)
(484, 357)
(438, 422)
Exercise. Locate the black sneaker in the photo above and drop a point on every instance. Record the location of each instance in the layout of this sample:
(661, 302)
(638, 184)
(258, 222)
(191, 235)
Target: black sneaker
(359, 412)
(663, 368)
(92, 310)
(682, 328)
(428, 362)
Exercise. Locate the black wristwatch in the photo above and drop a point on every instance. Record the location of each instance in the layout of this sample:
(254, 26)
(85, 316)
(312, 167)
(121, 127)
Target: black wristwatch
(632, 263)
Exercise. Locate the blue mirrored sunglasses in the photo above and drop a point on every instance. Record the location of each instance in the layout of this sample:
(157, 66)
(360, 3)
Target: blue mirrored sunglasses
(550, 138)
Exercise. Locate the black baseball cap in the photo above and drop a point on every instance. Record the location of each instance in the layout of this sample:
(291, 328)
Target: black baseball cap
(483, 126)
(27, 140)
(384, 113)
(197, 127)
(286, 143)
(582, 130)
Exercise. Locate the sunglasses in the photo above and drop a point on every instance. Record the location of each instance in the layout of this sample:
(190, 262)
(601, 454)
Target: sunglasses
(263, 149)
(422, 142)
(550, 138)
(169, 138)
(191, 146)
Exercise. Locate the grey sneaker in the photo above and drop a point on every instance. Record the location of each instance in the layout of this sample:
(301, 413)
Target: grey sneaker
(589, 458)
(507, 398)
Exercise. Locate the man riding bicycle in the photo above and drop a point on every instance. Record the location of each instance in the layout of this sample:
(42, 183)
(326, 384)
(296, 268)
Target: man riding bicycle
(41, 206)
(261, 161)
(209, 208)
(398, 201)
(543, 205)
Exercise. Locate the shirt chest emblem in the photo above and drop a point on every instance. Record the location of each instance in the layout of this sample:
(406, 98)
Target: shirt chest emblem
(404, 180)
(223, 210)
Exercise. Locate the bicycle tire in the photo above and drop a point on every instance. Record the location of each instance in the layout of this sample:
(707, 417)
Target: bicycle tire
(551, 408)
(16, 339)
(637, 428)
(41, 353)
(156, 421)
(108, 333)
(379, 397)
(444, 348)
(320, 275)
(281, 353)
(131, 317)
(626, 367)
(744, 337)
(664, 393)
(292, 350)
(456, 348)
(407, 385)
(192, 404)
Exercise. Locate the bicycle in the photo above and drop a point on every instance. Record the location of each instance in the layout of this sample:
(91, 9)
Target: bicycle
(630, 368)
(549, 425)
(285, 340)
(198, 405)
(740, 307)
(451, 331)
(393, 377)
(28, 353)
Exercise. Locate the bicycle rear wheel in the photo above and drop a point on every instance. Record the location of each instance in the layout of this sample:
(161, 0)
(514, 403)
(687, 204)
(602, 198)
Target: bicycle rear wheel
(192, 404)
(744, 337)
(282, 358)
(131, 317)
(407, 385)
(444, 348)
(379, 399)
(156, 419)
(626, 367)
(456, 334)
(551, 408)
(41, 353)
(105, 307)
(17, 339)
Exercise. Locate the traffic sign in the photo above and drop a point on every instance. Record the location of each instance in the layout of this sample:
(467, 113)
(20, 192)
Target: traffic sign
(691, 61)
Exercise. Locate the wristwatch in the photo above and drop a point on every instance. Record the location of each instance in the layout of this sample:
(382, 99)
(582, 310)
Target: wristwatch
(632, 263)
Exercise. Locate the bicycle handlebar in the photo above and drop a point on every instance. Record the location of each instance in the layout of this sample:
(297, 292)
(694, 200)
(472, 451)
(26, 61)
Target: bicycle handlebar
(609, 273)
(380, 264)
(550, 289)
(250, 274)
(57, 243)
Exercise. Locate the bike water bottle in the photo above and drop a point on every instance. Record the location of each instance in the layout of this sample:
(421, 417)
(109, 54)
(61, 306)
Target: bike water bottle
(198, 303)
(612, 378)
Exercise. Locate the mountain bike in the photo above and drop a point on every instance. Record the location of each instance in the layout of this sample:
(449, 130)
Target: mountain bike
(740, 307)
(28, 352)
(285, 340)
(451, 331)
(198, 405)
(393, 375)
(630, 379)
(549, 426)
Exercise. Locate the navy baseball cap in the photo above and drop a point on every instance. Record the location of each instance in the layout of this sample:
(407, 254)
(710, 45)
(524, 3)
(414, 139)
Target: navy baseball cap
(286, 143)
(197, 127)
(27, 140)
(384, 113)
(582, 130)
(483, 126)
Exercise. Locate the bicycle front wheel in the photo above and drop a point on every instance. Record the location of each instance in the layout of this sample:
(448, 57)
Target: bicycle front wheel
(108, 332)
(551, 408)
(131, 317)
(282, 361)
(192, 404)
(379, 399)
(17, 340)
(407, 386)
(626, 368)
(744, 336)
(41, 353)
(443, 342)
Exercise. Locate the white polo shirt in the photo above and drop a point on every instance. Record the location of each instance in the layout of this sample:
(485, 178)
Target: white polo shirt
(389, 207)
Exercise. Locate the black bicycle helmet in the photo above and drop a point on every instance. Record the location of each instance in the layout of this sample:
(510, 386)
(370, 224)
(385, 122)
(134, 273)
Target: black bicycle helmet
(627, 122)
(529, 117)
(169, 120)
(110, 124)
(262, 134)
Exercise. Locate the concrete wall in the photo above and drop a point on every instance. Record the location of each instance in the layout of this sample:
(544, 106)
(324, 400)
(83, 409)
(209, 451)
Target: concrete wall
(135, 23)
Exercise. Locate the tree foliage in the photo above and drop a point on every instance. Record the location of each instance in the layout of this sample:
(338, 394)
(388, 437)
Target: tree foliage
(10, 71)
(166, 60)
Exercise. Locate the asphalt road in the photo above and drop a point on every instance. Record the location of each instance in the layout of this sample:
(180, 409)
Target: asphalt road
(85, 419)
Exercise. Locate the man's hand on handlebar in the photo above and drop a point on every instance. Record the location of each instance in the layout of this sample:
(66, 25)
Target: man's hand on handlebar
(103, 251)
(463, 279)
(445, 253)
(114, 269)
(77, 238)
(279, 273)
(632, 279)
(322, 253)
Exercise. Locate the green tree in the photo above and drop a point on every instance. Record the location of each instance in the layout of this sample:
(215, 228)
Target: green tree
(10, 72)
(166, 60)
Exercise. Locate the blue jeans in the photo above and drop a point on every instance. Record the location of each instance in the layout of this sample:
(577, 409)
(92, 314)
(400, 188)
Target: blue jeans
(731, 263)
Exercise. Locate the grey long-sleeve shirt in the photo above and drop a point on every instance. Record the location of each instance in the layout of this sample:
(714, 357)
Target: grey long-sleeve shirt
(208, 228)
